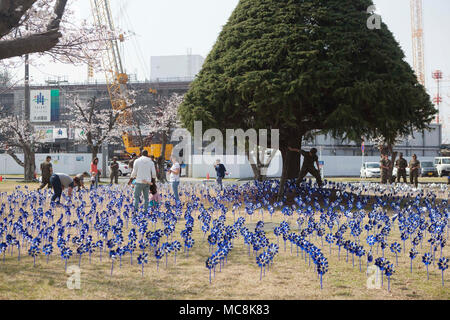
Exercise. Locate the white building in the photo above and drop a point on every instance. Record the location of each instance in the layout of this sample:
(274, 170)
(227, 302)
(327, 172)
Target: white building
(170, 68)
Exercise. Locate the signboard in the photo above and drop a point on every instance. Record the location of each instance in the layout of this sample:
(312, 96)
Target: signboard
(79, 134)
(60, 133)
(44, 134)
(40, 106)
(44, 105)
(321, 164)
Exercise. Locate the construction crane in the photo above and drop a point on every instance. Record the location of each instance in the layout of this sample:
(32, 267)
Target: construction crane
(116, 77)
(418, 40)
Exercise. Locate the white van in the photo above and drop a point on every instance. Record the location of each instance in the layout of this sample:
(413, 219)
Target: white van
(442, 166)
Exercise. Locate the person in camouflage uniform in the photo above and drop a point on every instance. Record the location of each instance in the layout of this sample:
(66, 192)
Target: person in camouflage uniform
(308, 165)
(414, 167)
(401, 164)
(47, 171)
(114, 174)
(385, 165)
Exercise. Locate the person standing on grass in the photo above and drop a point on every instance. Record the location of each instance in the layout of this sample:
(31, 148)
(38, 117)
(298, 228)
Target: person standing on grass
(221, 171)
(174, 177)
(401, 164)
(385, 165)
(114, 171)
(414, 168)
(94, 173)
(144, 173)
(59, 182)
(154, 162)
(46, 171)
(309, 159)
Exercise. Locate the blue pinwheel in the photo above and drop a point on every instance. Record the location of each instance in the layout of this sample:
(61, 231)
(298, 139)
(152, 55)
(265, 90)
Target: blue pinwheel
(34, 251)
(158, 255)
(142, 260)
(412, 255)
(176, 246)
(99, 245)
(389, 271)
(210, 265)
(322, 268)
(360, 252)
(381, 264)
(47, 250)
(262, 260)
(112, 256)
(66, 253)
(443, 265)
(3, 247)
(427, 259)
(396, 248)
(188, 243)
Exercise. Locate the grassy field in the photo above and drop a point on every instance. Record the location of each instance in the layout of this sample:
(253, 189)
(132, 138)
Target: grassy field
(290, 277)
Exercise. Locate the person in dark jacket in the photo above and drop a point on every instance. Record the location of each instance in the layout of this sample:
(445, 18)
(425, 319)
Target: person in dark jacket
(221, 172)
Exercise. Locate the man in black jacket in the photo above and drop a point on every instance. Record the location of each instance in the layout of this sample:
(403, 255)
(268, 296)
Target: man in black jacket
(221, 171)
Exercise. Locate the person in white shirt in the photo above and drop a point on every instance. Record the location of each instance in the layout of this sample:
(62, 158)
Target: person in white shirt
(174, 177)
(145, 174)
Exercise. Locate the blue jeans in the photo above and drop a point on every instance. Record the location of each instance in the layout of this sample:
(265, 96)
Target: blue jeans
(94, 183)
(57, 188)
(138, 189)
(175, 185)
(219, 182)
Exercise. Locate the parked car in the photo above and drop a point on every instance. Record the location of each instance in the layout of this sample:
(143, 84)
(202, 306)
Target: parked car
(428, 169)
(394, 172)
(370, 170)
(442, 166)
(124, 169)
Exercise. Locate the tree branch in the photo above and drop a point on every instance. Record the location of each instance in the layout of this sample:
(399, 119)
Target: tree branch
(14, 156)
(35, 43)
(40, 42)
(11, 13)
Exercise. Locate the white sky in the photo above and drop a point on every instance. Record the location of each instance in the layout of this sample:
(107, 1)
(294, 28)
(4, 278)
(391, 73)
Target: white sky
(171, 27)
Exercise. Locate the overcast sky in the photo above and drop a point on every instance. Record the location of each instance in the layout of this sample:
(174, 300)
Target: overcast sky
(171, 27)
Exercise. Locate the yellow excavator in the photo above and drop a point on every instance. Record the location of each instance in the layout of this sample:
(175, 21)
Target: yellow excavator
(117, 79)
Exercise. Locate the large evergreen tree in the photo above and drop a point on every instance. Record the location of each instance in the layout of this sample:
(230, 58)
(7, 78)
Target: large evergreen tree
(307, 65)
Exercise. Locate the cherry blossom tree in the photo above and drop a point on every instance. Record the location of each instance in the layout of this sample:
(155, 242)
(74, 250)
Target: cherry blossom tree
(159, 121)
(99, 123)
(48, 27)
(42, 27)
(17, 134)
(141, 134)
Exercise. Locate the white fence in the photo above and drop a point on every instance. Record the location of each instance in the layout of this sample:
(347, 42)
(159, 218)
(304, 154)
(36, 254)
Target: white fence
(239, 167)
(62, 163)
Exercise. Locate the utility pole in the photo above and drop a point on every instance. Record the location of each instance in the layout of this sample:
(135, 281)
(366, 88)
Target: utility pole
(27, 87)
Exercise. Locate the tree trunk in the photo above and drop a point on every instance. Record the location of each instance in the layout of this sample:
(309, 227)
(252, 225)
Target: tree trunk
(291, 163)
(257, 172)
(162, 160)
(29, 164)
(95, 149)
(393, 159)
